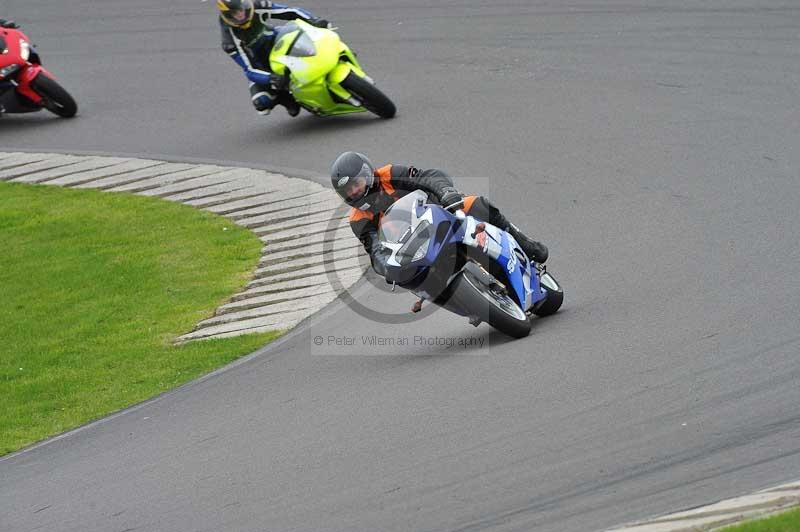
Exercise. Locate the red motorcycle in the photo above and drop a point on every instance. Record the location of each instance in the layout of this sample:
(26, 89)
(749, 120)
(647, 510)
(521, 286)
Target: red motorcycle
(25, 86)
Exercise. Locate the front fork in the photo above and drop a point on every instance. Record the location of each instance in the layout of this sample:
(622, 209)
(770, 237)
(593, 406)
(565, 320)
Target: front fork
(25, 80)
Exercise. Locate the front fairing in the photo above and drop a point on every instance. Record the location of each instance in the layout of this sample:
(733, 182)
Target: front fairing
(305, 69)
(11, 52)
(309, 73)
(412, 236)
(24, 76)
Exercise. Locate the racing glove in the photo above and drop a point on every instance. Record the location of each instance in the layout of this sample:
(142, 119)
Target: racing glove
(321, 23)
(451, 199)
(378, 256)
(278, 82)
(10, 24)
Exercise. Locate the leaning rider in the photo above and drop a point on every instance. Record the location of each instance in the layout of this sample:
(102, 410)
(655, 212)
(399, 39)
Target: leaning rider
(372, 191)
(248, 39)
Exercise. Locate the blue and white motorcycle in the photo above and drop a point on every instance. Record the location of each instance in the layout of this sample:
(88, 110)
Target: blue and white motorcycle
(464, 265)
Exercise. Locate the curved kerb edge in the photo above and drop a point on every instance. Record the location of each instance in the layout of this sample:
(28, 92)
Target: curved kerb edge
(725, 513)
(305, 237)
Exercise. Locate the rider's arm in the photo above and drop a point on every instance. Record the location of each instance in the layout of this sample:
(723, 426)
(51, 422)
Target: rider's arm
(377, 255)
(233, 47)
(365, 226)
(435, 182)
(266, 10)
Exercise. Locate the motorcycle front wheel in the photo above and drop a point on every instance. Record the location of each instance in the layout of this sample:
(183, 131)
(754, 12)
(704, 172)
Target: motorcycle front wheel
(490, 305)
(371, 96)
(56, 99)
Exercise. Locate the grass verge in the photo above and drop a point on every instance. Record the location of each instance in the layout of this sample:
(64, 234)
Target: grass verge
(94, 288)
(785, 522)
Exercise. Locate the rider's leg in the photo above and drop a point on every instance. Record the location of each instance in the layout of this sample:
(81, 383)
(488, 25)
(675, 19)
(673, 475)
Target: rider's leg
(483, 209)
(265, 99)
(286, 99)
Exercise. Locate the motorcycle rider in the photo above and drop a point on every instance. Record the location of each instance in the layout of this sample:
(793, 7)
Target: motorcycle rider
(372, 191)
(248, 39)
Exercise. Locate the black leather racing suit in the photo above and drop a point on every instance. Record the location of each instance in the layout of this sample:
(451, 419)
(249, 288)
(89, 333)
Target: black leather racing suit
(394, 181)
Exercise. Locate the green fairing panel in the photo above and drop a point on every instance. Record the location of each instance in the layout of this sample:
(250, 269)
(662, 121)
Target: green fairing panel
(315, 78)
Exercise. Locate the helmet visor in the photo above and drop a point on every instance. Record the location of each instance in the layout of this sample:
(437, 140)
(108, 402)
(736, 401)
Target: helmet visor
(239, 13)
(355, 188)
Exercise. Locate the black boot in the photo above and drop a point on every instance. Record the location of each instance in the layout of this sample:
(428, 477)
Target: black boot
(262, 99)
(485, 209)
(536, 251)
(291, 105)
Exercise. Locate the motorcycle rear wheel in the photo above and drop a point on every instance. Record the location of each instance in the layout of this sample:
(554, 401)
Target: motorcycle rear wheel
(55, 98)
(490, 305)
(371, 96)
(554, 296)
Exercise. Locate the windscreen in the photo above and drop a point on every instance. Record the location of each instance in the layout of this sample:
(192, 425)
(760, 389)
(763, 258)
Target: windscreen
(395, 227)
(303, 46)
(282, 32)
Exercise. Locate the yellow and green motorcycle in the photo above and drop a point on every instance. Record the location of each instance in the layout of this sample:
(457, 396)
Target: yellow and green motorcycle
(324, 75)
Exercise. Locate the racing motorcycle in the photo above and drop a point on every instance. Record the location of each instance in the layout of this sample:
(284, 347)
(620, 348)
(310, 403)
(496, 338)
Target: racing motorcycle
(324, 75)
(464, 265)
(25, 86)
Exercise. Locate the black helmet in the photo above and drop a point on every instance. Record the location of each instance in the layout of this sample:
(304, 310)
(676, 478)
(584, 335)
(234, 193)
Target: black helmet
(352, 177)
(236, 13)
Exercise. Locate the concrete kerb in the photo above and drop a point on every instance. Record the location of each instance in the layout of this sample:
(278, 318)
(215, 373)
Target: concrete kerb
(239, 194)
(725, 513)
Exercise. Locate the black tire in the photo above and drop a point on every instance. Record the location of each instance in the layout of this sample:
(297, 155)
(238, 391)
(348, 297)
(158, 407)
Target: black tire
(56, 99)
(488, 305)
(371, 97)
(554, 299)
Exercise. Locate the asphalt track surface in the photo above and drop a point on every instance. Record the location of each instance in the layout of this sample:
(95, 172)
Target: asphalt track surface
(652, 145)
